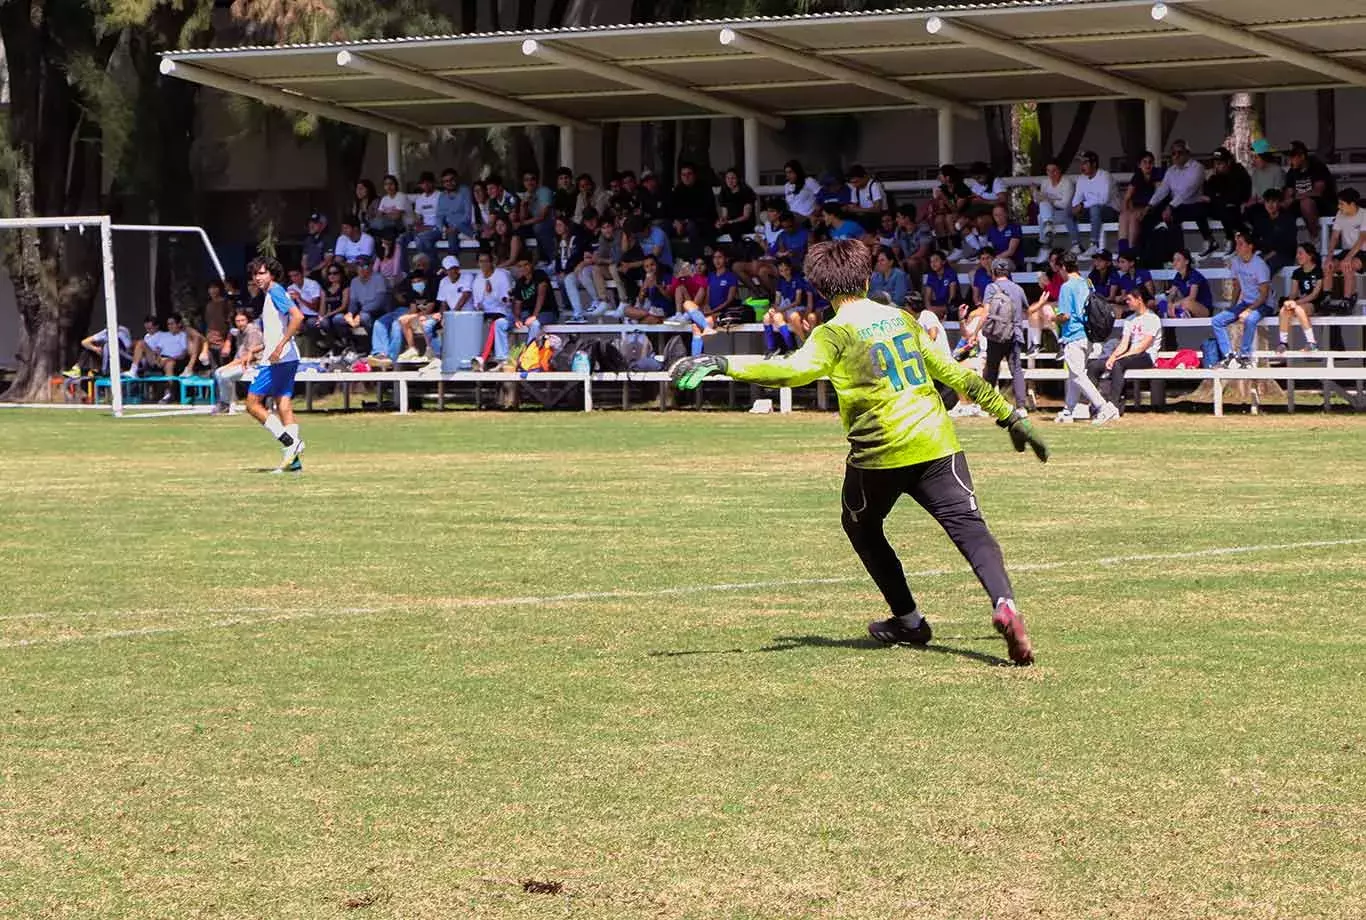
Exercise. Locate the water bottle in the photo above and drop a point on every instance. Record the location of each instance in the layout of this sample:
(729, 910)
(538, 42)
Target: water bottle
(581, 364)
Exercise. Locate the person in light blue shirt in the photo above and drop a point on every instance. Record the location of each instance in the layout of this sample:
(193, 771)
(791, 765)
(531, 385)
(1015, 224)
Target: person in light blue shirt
(1251, 302)
(655, 242)
(889, 279)
(1076, 347)
(454, 208)
(840, 226)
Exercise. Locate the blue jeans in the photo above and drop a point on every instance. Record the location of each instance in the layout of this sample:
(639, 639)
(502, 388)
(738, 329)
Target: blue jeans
(1227, 317)
(426, 242)
(502, 328)
(386, 338)
(1099, 214)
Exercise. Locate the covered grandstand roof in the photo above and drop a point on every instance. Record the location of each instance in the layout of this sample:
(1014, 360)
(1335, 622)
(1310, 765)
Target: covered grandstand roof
(947, 56)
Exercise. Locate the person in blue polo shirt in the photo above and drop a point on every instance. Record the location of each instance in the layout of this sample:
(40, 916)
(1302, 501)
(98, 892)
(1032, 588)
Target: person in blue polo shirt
(723, 291)
(1103, 278)
(1251, 301)
(1134, 280)
(841, 227)
(982, 277)
(1190, 293)
(940, 291)
(1005, 235)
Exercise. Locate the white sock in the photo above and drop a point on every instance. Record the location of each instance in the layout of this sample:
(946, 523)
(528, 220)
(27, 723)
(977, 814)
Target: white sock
(1035, 336)
(274, 426)
(1285, 338)
(1308, 337)
(293, 430)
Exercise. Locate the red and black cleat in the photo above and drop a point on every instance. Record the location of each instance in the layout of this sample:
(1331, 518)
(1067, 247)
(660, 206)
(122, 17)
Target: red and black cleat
(1010, 624)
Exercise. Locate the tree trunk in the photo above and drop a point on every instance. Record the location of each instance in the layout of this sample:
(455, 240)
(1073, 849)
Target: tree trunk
(1328, 124)
(996, 120)
(1081, 119)
(1045, 148)
(611, 138)
(694, 137)
(56, 170)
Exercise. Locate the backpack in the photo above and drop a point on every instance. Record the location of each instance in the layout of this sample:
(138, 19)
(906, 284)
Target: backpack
(999, 324)
(534, 357)
(606, 358)
(1099, 319)
(636, 348)
(1209, 353)
(676, 349)
(563, 359)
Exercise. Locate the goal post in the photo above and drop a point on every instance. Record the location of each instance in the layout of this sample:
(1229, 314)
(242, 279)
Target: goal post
(106, 229)
(111, 306)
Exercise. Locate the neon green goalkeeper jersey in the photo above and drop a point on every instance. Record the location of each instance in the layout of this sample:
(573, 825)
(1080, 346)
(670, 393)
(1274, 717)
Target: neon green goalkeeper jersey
(883, 368)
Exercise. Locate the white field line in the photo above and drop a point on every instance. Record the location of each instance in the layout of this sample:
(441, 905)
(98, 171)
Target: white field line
(627, 594)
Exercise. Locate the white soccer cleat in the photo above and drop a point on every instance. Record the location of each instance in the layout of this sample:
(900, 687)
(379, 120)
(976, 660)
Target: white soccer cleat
(1108, 413)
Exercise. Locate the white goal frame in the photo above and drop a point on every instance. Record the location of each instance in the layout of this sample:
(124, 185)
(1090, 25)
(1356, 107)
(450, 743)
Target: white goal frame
(106, 228)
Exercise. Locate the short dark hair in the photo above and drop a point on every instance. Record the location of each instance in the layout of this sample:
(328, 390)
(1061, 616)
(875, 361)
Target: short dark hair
(241, 311)
(839, 268)
(427, 176)
(587, 215)
(532, 173)
(1271, 194)
(180, 320)
(1349, 196)
(564, 171)
(448, 171)
(493, 179)
(270, 265)
(1068, 260)
(151, 318)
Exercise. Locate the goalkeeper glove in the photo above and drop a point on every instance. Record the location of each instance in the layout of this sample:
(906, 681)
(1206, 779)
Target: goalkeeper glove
(688, 373)
(1023, 434)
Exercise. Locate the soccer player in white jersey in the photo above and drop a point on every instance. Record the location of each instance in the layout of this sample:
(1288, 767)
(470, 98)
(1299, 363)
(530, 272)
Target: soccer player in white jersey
(281, 320)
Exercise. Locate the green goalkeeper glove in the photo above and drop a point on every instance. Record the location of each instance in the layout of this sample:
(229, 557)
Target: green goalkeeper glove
(688, 373)
(1023, 434)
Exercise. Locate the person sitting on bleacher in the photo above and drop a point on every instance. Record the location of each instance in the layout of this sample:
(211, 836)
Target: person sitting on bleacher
(1137, 350)
(1005, 235)
(914, 243)
(626, 195)
(491, 294)
(250, 345)
(653, 198)
(981, 277)
(504, 244)
(1044, 310)
(1094, 196)
(792, 242)
(1183, 189)
(1307, 292)
(1133, 280)
(723, 304)
(536, 214)
(940, 291)
(568, 256)
(455, 210)
(1250, 304)
(1190, 294)
(1228, 188)
(785, 322)
(1310, 189)
(353, 245)
(1276, 229)
(986, 190)
(502, 201)
(1345, 244)
(737, 213)
(951, 197)
(98, 345)
(1103, 278)
(394, 211)
(1268, 175)
(801, 192)
(171, 353)
(888, 278)
(692, 207)
(1055, 202)
(565, 197)
(653, 303)
(368, 300)
(1137, 199)
(839, 225)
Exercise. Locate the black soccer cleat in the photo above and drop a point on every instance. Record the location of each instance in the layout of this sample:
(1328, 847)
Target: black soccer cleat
(895, 631)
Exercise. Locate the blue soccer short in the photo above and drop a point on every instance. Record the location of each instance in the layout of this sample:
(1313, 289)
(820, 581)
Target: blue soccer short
(275, 379)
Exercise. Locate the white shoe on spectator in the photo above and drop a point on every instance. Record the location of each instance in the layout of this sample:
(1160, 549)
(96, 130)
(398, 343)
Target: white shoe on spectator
(1075, 249)
(1210, 249)
(410, 354)
(1090, 251)
(954, 256)
(1108, 413)
(678, 319)
(1064, 417)
(132, 371)
(1227, 250)
(1046, 233)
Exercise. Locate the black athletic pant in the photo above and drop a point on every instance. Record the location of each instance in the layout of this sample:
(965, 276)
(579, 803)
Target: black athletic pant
(1010, 353)
(942, 487)
(1096, 370)
(1197, 211)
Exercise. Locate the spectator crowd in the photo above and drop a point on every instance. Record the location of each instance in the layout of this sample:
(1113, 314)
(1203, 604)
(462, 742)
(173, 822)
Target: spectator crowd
(634, 249)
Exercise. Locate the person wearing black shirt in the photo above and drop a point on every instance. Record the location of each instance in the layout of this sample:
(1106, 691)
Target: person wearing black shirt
(565, 198)
(651, 198)
(532, 301)
(692, 206)
(1228, 188)
(1306, 289)
(1275, 229)
(626, 199)
(1310, 191)
(738, 207)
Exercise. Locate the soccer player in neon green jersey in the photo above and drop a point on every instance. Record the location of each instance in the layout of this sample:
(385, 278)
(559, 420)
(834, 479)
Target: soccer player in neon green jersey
(901, 440)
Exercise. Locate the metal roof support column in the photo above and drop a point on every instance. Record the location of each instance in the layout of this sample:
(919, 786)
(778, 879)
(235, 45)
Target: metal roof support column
(751, 145)
(945, 136)
(575, 60)
(567, 146)
(1258, 44)
(393, 156)
(1016, 50)
(1152, 127)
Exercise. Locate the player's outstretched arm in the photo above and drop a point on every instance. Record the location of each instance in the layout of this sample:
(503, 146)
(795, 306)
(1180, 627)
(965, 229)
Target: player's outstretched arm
(811, 362)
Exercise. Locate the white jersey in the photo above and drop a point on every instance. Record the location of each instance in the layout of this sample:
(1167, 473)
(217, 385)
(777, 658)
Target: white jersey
(274, 321)
(929, 321)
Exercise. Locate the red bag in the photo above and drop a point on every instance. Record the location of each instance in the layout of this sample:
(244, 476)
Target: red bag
(1185, 359)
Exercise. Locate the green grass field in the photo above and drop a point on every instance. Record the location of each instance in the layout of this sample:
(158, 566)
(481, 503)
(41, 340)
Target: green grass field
(370, 691)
